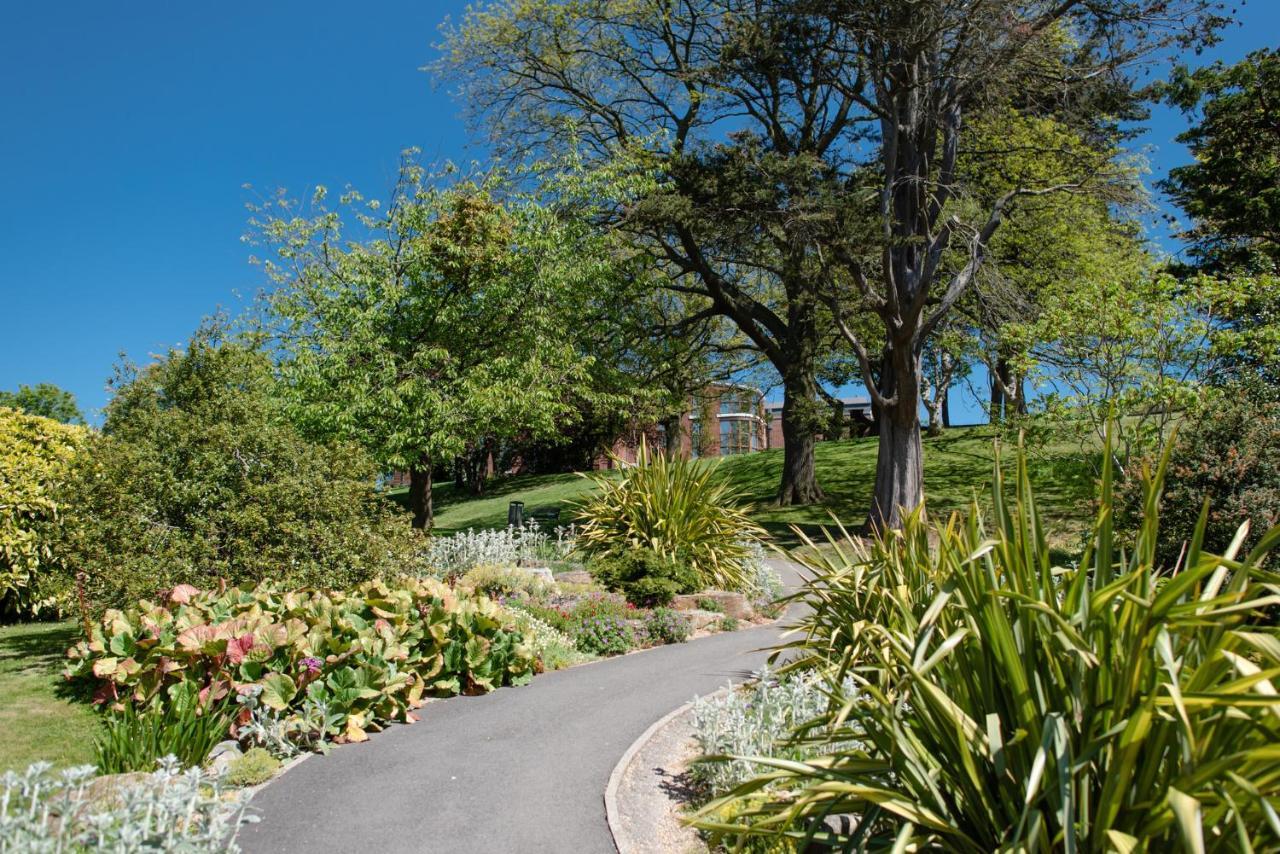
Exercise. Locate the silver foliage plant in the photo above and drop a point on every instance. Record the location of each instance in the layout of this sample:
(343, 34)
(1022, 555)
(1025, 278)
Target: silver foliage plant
(169, 810)
(511, 546)
(765, 582)
(756, 719)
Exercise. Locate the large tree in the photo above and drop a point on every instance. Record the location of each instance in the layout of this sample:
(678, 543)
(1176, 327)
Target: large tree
(781, 129)
(738, 158)
(1231, 192)
(924, 70)
(448, 322)
(45, 400)
(1232, 189)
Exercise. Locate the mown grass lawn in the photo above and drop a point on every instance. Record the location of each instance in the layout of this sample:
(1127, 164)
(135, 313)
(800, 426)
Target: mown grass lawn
(958, 466)
(40, 718)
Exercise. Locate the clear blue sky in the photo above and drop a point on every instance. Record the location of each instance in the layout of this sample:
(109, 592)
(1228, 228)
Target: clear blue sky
(128, 129)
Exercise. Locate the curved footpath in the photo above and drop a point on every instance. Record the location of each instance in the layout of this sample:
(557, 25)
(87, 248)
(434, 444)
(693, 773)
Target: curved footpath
(518, 770)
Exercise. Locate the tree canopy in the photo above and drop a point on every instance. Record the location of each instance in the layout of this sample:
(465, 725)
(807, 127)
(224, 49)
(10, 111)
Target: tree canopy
(45, 400)
(813, 156)
(433, 325)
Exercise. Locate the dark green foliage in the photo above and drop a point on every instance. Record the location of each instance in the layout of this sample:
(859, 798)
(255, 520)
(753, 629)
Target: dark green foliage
(133, 740)
(45, 400)
(645, 578)
(199, 479)
(1228, 453)
(663, 625)
(1232, 189)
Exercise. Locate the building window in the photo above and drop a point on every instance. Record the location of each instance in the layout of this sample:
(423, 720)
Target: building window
(735, 403)
(736, 437)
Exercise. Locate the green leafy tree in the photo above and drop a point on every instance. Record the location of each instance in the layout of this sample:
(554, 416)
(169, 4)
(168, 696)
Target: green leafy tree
(1232, 189)
(45, 400)
(36, 456)
(1231, 192)
(200, 478)
(450, 322)
(809, 156)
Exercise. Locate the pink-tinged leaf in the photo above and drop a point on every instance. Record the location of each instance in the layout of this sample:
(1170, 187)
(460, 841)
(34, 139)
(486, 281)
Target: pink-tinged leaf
(238, 648)
(182, 594)
(106, 693)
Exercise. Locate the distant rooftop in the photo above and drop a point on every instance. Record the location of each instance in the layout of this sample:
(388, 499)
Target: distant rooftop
(849, 403)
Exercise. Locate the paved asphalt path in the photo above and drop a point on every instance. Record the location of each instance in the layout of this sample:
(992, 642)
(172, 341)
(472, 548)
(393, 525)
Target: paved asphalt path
(518, 770)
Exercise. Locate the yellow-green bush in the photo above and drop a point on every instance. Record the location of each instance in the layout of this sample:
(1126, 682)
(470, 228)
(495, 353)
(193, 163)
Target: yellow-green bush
(35, 456)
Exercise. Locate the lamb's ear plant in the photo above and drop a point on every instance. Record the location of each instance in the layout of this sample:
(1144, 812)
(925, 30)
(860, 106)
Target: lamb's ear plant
(1001, 702)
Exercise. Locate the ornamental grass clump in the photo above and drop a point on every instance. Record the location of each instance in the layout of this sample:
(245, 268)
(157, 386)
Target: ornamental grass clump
(676, 508)
(1003, 702)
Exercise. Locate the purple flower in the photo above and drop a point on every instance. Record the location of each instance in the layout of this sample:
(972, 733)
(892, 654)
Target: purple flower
(313, 665)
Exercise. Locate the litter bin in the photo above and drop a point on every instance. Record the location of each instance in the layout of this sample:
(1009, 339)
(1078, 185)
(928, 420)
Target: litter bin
(515, 514)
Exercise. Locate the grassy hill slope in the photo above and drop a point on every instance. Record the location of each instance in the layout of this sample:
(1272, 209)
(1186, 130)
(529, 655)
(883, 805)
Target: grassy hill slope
(958, 464)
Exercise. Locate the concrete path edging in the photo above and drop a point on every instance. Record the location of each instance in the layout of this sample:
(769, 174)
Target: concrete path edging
(612, 810)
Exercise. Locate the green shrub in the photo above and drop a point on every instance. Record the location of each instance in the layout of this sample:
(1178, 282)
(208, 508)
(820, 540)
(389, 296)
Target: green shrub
(1005, 703)
(35, 458)
(605, 634)
(329, 664)
(256, 766)
(728, 624)
(676, 508)
(1228, 453)
(593, 605)
(645, 578)
(706, 603)
(663, 625)
(200, 479)
(135, 739)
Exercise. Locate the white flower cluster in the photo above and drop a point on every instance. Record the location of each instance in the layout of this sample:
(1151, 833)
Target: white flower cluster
(169, 810)
(755, 720)
(465, 550)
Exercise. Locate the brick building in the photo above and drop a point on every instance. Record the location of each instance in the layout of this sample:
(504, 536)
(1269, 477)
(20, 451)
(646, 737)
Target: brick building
(735, 424)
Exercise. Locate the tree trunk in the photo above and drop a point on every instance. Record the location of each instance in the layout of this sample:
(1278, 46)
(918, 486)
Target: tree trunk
(1022, 395)
(799, 428)
(946, 408)
(997, 391)
(420, 494)
(899, 487)
(673, 430)
(934, 406)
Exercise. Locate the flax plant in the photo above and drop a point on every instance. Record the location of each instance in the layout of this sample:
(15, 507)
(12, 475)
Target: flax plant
(1004, 702)
(677, 508)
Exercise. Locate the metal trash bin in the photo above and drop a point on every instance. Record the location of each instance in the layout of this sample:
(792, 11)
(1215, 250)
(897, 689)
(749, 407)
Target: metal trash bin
(515, 514)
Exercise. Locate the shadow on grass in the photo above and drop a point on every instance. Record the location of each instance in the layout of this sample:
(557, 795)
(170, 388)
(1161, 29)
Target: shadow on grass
(41, 649)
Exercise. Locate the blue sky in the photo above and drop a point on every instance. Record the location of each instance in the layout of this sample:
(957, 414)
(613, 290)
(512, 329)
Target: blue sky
(129, 130)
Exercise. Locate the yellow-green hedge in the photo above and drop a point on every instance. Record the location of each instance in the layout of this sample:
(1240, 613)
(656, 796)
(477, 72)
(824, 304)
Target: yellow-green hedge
(35, 455)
